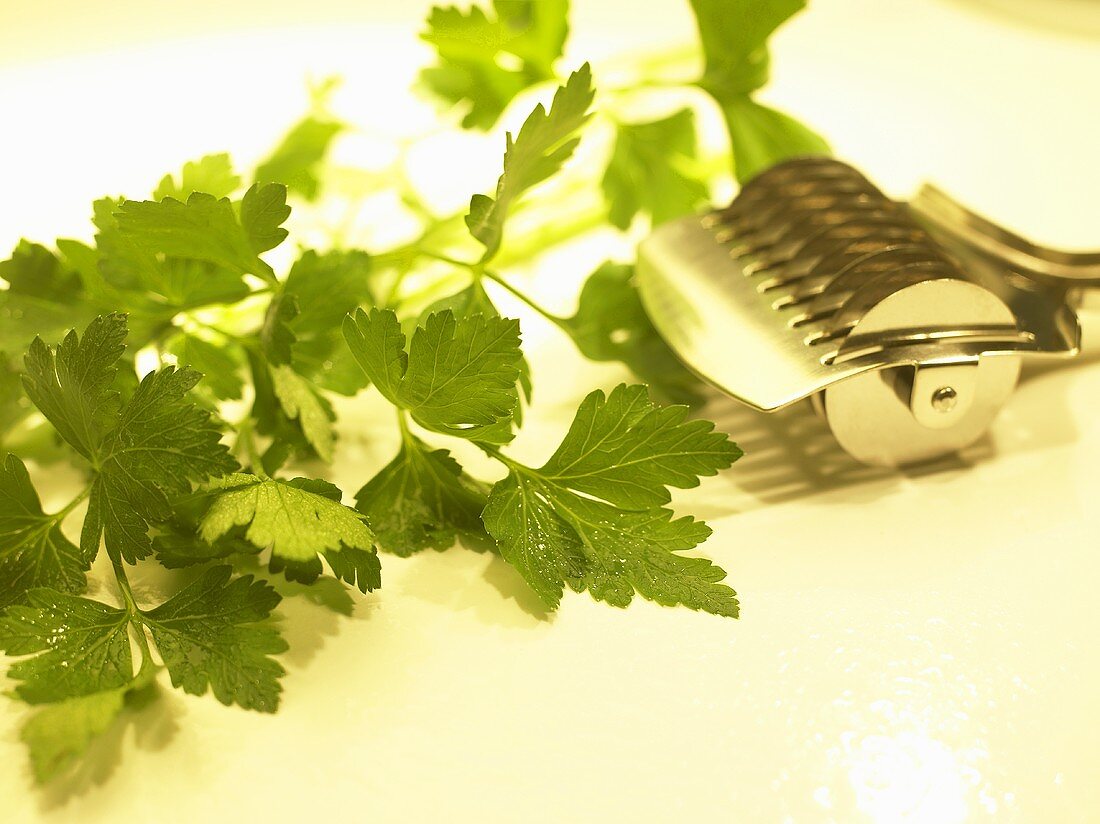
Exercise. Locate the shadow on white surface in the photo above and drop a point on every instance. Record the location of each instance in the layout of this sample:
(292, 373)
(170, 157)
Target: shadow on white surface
(310, 614)
(504, 578)
(154, 719)
(491, 591)
(791, 454)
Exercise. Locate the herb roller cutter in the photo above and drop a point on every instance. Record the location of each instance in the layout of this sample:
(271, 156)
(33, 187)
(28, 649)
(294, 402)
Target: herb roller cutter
(905, 323)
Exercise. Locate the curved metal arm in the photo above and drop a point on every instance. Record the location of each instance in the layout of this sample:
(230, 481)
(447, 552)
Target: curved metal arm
(950, 217)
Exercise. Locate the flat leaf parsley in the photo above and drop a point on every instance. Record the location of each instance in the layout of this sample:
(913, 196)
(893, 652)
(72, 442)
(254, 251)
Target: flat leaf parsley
(201, 376)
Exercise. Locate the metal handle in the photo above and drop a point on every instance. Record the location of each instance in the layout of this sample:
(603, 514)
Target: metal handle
(1040, 263)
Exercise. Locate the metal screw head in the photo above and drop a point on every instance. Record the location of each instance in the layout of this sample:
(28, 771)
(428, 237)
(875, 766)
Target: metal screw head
(944, 399)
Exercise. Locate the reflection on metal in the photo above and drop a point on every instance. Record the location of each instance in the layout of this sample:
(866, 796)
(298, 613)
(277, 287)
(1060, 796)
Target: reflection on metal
(905, 322)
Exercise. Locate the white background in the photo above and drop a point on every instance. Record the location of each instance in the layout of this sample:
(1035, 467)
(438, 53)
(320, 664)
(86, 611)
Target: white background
(914, 646)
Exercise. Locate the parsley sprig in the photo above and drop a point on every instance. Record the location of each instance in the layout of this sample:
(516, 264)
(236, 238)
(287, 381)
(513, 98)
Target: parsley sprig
(194, 382)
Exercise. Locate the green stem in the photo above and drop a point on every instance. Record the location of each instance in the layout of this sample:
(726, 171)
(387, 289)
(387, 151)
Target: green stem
(478, 270)
(132, 610)
(586, 213)
(557, 320)
(246, 440)
(395, 288)
(493, 452)
(462, 264)
(238, 339)
(402, 423)
(404, 256)
(124, 588)
(685, 56)
(578, 221)
(63, 513)
(655, 83)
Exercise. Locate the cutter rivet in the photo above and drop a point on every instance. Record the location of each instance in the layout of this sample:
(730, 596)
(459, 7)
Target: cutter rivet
(944, 399)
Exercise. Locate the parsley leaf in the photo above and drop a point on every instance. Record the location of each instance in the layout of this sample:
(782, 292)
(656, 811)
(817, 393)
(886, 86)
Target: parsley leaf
(80, 665)
(422, 499)
(160, 445)
(544, 142)
(295, 160)
(212, 174)
(476, 50)
(378, 344)
(120, 274)
(204, 226)
(762, 136)
(117, 264)
(14, 406)
(458, 376)
(327, 286)
(207, 228)
(209, 636)
(651, 170)
(625, 450)
(611, 324)
(177, 543)
(269, 418)
(143, 452)
(263, 212)
(634, 552)
(301, 402)
(276, 336)
(297, 519)
(324, 287)
(473, 300)
(461, 377)
(79, 646)
(532, 537)
(34, 552)
(78, 658)
(35, 271)
(220, 365)
(289, 405)
(734, 36)
(72, 385)
(361, 569)
(592, 518)
(24, 316)
(61, 732)
(43, 297)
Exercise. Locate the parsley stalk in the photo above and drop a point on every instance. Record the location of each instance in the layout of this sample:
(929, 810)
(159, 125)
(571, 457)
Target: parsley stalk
(246, 443)
(557, 320)
(496, 454)
(478, 270)
(137, 624)
(66, 510)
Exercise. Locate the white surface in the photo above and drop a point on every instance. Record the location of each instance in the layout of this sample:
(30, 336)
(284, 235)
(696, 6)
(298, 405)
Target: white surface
(913, 646)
